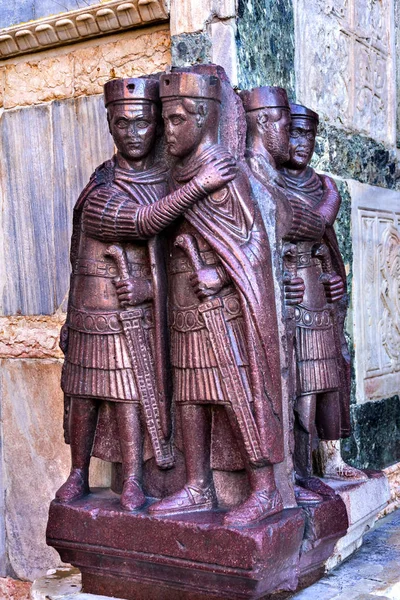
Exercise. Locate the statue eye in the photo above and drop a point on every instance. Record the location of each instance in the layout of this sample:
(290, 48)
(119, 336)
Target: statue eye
(176, 120)
(122, 124)
(142, 124)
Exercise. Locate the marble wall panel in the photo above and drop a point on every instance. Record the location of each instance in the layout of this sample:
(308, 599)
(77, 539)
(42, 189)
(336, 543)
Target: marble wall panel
(376, 297)
(35, 460)
(81, 141)
(27, 176)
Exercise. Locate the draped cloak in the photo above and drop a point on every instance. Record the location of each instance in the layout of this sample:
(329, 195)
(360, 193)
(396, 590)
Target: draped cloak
(234, 230)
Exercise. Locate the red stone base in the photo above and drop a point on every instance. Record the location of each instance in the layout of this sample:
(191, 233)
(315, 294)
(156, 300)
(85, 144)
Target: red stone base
(196, 557)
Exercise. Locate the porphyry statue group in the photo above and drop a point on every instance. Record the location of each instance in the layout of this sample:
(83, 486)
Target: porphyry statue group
(172, 318)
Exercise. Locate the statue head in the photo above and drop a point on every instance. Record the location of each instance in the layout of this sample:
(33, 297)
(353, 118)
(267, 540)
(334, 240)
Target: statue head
(133, 115)
(190, 109)
(268, 120)
(302, 136)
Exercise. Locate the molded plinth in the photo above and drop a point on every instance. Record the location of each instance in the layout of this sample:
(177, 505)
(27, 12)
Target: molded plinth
(191, 557)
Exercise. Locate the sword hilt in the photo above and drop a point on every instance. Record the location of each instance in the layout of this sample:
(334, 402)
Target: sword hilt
(188, 243)
(118, 254)
(289, 253)
(321, 251)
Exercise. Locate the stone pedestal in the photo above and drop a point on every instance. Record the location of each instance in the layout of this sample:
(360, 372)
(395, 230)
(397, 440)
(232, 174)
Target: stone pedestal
(364, 501)
(193, 557)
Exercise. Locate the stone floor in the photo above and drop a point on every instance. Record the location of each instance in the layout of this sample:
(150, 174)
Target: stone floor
(372, 573)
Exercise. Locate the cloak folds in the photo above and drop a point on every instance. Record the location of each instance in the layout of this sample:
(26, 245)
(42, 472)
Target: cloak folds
(234, 230)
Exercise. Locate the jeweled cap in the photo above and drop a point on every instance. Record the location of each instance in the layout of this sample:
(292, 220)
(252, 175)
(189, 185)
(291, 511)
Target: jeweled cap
(190, 85)
(131, 89)
(264, 97)
(298, 111)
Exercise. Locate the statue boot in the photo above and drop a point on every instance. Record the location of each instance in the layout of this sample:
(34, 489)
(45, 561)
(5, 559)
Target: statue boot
(332, 464)
(190, 498)
(264, 500)
(132, 496)
(76, 486)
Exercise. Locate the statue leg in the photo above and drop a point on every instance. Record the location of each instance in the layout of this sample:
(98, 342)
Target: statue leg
(264, 499)
(198, 492)
(83, 420)
(305, 434)
(131, 441)
(328, 426)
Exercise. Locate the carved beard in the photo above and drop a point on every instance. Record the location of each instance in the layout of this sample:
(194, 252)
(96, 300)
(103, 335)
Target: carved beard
(277, 145)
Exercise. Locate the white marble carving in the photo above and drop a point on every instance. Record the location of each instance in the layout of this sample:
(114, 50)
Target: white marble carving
(81, 24)
(376, 296)
(345, 63)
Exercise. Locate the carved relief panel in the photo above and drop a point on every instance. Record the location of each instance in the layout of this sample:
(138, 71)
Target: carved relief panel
(345, 63)
(376, 301)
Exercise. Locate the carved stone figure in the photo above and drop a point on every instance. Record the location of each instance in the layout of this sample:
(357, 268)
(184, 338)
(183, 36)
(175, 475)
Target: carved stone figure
(322, 356)
(114, 338)
(224, 345)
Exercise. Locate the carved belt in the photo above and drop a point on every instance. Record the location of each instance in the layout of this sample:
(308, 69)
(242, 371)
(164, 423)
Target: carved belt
(183, 265)
(107, 322)
(191, 319)
(313, 319)
(306, 260)
(99, 268)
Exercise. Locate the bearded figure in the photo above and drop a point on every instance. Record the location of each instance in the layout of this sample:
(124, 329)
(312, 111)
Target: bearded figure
(322, 356)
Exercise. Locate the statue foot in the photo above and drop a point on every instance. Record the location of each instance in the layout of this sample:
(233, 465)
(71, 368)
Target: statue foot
(189, 499)
(344, 472)
(132, 497)
(258, 505)
(306, 497)
(75, 487)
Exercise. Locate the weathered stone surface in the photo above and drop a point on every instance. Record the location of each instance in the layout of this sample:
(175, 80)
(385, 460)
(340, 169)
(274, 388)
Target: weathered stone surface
(363, 502)
(139, 53)
(339, 75)
(265, 44)
(193, 16)
(36, 461)
(30, 337)
(84, 69)
(223, 36)
(190, 48)
(354, 156)
(12, 589)
(392, 474)
(38, 80)
(376, 249)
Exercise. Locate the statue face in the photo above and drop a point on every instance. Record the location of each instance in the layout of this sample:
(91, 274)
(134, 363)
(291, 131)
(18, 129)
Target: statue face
(183, 130)
(302, 142)
(276, 134)
(133, 127)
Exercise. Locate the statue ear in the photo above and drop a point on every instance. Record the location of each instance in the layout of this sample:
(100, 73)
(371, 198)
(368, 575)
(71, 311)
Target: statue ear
(262, 120)
(202, 111)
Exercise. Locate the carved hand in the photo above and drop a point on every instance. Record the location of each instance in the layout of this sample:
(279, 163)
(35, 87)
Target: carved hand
(207, 281)
(216, 174)
(133, 291)
(334, 286)
(63, 343)
(293, 290)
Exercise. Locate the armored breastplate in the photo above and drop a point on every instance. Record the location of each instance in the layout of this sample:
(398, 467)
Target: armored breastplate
(92, 286)
(309, 269)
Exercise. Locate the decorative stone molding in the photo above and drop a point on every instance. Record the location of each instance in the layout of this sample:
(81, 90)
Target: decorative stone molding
(79, 25)
(376, 302)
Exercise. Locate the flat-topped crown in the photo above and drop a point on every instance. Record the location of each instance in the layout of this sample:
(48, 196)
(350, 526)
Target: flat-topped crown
(264, 97)
(131, 89)
(190, 85)
(298, 111)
